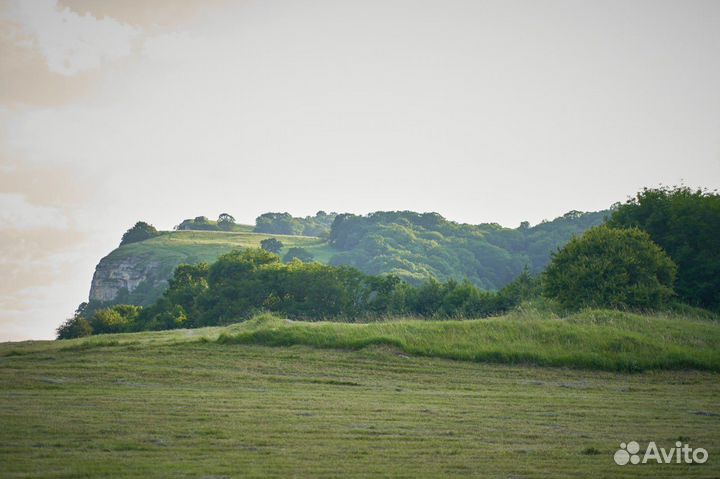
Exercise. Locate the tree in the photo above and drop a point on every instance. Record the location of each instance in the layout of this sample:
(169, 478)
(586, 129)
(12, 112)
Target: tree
(272, 245)
(298, 253)
(607, 267)
(75, 327)
(225, 221)
(117, 319)
(140, 232)
(686, 224)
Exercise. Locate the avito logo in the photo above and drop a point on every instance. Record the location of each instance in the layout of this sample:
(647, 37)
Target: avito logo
(629, 453)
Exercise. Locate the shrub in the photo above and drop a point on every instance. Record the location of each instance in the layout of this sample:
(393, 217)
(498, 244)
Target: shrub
(606, 267)
(140, 232)
(117, 319)
(75, 327)
(271, 245)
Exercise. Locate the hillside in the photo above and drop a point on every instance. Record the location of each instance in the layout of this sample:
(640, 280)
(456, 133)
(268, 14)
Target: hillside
(218, 402)
(411, 245)
(137, 273)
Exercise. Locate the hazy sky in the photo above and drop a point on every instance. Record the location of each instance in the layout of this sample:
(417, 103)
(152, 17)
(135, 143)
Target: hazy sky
(484, 111)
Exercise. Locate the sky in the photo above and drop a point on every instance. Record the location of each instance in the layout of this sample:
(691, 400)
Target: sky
(114, 111)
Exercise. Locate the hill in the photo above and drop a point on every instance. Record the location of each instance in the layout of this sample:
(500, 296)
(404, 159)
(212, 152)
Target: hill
(187, 403)
(411, 245)
(138, 273)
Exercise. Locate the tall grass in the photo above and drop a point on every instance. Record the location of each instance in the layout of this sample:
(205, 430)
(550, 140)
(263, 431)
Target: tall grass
(592, 339)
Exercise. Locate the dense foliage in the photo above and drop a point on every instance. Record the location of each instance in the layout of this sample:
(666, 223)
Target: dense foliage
(242, 283)
(607, 267)
(417, 246)
(286, 224)
(140, 232)
(271, 245)
(686, 224)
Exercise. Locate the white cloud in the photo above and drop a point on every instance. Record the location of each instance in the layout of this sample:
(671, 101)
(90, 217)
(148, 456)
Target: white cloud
(71, 43)
(17, 212)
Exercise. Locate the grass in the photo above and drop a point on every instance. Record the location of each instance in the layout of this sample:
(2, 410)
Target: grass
(593, 339)
(204, 403)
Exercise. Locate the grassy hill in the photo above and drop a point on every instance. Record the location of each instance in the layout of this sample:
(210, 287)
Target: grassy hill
(411, 245)
(151, 262)
(368, 400)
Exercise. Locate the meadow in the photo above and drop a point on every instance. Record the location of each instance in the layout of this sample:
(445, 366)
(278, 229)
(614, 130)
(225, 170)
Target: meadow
(359, 400)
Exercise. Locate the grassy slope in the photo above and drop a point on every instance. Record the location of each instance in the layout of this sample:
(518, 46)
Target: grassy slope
(168, 404)
(197, 246)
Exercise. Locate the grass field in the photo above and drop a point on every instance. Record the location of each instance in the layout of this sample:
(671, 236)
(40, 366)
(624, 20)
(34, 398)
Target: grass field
(185, 404)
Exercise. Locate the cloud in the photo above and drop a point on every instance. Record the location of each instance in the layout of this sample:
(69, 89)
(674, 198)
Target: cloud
(70, 43)
(154, 14)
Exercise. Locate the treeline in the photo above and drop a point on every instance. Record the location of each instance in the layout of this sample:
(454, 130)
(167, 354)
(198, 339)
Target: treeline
(658, 248)
(243, 283)
(286, 224)
(417, 246)
(225, 222)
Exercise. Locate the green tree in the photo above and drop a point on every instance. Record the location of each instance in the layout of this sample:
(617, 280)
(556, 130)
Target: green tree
(117, 319)
(75, 327)
(140, 232)
(271, 245)
(685, 222)
(225, 221)
(607, 267)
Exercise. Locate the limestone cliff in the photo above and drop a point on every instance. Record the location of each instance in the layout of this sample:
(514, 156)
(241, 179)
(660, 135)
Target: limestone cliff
(134, 279)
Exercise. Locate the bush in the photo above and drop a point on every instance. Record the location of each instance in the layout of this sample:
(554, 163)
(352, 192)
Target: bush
(140, 232)
(75, 327)
(271, 245)
(606, 267)
(117, 319)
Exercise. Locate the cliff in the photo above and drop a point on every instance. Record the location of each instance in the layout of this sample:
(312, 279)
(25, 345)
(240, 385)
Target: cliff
(116, 277)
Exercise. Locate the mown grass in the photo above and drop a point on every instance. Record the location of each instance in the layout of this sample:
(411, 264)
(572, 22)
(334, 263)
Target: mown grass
(593, 339)
(181, 404)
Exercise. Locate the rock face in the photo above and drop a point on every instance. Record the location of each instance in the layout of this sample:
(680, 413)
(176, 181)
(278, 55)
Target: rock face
(116, 277)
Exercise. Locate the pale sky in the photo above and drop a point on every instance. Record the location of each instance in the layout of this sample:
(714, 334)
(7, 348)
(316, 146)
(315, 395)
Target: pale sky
(483, 111)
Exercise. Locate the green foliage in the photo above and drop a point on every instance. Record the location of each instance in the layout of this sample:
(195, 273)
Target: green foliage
(75, 327)
(686, 224)
(140, 232)
(418, 246)
(242, 283)
(117, 319)
(225, 221)
(286, 224)
(300, 254)
(613, 268)
(271, 245)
